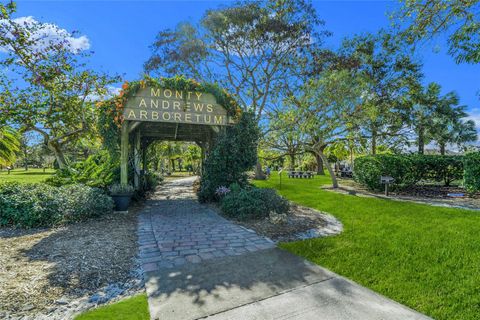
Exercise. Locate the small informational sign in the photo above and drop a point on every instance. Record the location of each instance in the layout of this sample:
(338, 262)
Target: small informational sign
(169, 105)
(387, 180)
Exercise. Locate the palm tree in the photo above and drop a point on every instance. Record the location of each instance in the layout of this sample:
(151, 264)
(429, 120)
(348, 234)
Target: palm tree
(449, 126)
(9, 145)
(426, 103)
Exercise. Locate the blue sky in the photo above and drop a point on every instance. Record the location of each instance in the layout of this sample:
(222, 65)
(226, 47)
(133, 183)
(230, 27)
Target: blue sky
(120, 33)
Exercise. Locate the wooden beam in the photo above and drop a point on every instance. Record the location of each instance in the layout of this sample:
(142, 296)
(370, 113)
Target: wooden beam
(176, 131)
(124, 154)
(133, 125)
(136, 160)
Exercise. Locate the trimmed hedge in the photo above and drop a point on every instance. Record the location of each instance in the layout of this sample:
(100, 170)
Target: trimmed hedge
(41, 205)
(368, 170)
(252, 203)
(471, 177)
(438, 168)
(407, 169)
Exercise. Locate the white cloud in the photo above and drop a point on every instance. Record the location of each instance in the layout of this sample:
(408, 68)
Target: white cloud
(111, 92)
(45, 34)
(475, 116)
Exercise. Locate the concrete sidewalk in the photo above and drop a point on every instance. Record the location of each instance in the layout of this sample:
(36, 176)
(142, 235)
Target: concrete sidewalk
(266, 284)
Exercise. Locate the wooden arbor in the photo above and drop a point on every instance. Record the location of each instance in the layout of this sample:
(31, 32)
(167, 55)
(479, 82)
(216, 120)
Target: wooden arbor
(168, 114)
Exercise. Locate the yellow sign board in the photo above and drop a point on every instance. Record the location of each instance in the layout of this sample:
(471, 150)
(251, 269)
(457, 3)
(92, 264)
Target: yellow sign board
(169, 105)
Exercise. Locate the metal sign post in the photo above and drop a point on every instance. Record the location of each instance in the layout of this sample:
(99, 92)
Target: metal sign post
(386, 180)
(280, 174)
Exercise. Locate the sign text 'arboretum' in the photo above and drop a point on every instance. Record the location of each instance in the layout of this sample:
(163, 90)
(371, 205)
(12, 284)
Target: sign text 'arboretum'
(170, 105)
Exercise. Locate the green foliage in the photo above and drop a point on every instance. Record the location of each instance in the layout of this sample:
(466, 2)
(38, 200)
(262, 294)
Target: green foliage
(247, 46)
(234, 152)
(455, 20)
(98, 170)
(444, 169)
(49, 84)
(9, 145)
(42, 205)
(152, 180)
(120, 189)
(252, 203)
(368, 170)
(471, 177)
(407, 169)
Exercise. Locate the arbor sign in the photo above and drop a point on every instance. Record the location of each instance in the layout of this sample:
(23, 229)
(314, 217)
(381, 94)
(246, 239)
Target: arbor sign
(170, 105)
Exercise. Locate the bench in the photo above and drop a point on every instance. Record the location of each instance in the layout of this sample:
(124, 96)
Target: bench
(301, 174)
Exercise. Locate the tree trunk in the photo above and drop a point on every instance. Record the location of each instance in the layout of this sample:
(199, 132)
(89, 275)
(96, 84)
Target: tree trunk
(421, 140)
(320, 170)
(259, 175)
(56, 148)
(292, 161)
(329, 168)
(173, 164)
(442, 149)
(374, 142)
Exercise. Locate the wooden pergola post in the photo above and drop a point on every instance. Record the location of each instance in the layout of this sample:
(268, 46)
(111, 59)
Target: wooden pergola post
(136, 160)
(124, 154)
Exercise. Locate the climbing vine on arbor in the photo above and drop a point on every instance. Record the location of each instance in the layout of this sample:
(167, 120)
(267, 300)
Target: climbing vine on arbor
(111, 111)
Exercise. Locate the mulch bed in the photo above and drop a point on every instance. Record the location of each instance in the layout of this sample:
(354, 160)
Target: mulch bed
(300, 220)
(39, 267)
(430, 194)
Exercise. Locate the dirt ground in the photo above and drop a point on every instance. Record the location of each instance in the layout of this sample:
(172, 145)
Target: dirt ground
(40, 268)
(430, 194)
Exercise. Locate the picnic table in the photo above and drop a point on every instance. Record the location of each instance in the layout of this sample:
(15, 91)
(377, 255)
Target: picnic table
(301, 174)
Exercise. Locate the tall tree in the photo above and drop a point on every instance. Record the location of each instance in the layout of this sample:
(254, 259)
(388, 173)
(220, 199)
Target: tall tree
(387, 73)
(247, 47)
(327, 108)
(449, 126)
(285, 134)
(426, 105)
(49, 88)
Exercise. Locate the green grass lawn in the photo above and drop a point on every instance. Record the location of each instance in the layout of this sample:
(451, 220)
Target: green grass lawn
(423, 256)
(31, 175)
(135, 308)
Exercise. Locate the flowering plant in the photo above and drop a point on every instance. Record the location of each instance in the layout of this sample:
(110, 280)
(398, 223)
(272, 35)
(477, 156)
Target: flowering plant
(222, 191)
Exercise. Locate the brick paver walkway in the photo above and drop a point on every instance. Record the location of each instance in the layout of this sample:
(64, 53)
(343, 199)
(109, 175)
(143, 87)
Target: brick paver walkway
(174, 229)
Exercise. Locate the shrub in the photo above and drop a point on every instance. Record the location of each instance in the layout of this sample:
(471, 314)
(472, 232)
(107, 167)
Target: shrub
(42, 205)
(152, 180)
(252, 203)
(368, 170)
(79, 202)
(98, 170)
(119, 189)
(444, 169)
(234, 153)
(407, 169)
(471, 178)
